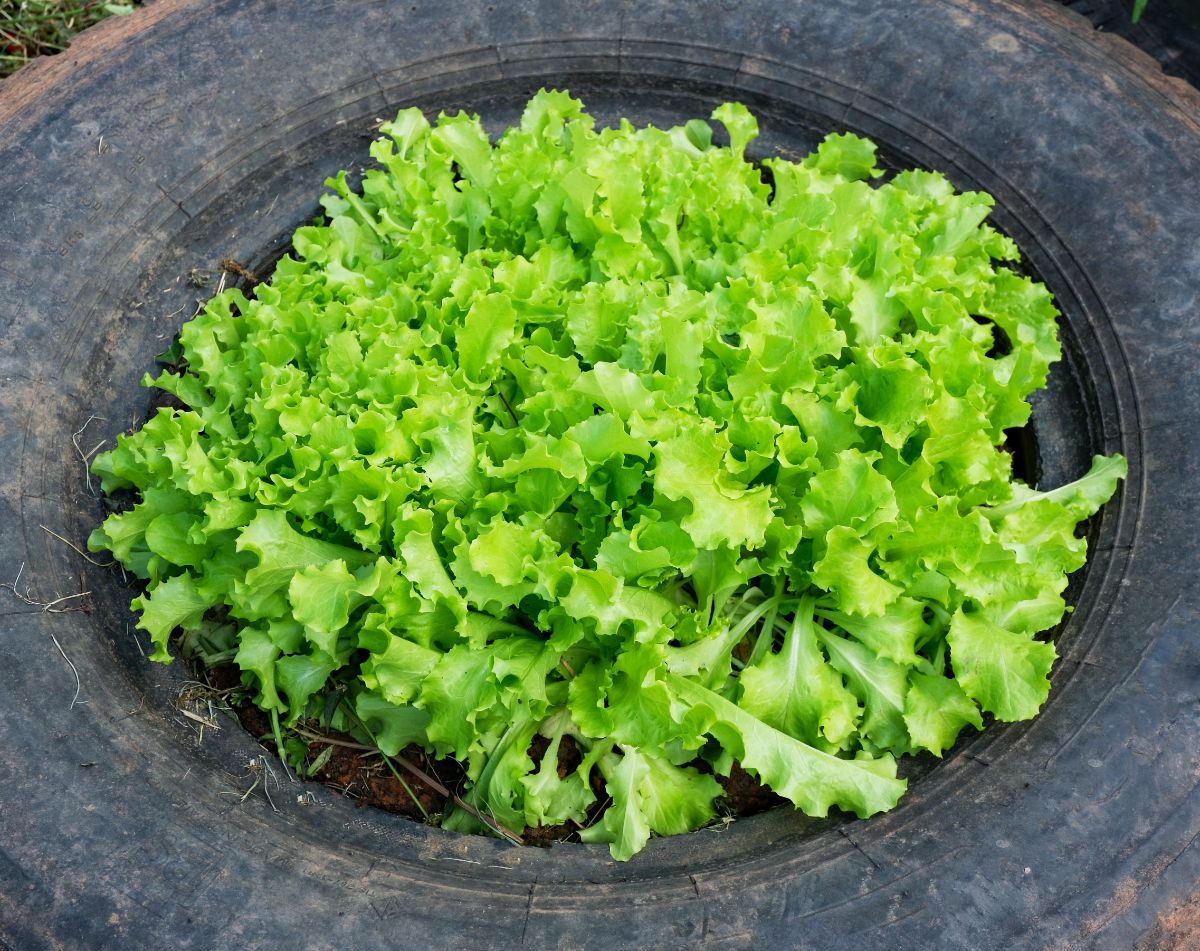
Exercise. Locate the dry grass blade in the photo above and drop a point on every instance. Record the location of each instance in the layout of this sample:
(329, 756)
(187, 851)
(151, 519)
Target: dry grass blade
(48, 607)
(74, 671)
(203, 721)
(465, 806)
(82, 554)
(85, 458)
(27, 596)
(330, 741)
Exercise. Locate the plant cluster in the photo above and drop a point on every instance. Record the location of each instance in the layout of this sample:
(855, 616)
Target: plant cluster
(618, 435)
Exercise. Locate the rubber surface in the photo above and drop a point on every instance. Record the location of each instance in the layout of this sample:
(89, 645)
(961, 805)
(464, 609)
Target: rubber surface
(197, 130)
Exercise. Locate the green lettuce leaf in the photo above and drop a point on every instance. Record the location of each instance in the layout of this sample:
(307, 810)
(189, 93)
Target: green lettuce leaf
(813, 780)
(650, 794)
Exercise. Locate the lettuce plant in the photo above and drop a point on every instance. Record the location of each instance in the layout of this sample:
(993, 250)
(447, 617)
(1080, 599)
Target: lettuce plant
(617, 435)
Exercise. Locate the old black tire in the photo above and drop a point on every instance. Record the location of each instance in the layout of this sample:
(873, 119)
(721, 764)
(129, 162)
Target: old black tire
(196, 130)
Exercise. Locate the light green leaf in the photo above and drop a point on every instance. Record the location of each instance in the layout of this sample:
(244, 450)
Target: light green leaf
(551, 799)
(690, 467)
(811, 779)
(1006, 672)
(321, 596)
(393, 726)
(301, 676)
(936, 710)
(851, 494)
(1081, 498)
(282, 551)
(879, 683)
(396, 673)
(173, 603)
(798, 692)
(487, 331)
(624, 824)
(892, 634)
(846, 574)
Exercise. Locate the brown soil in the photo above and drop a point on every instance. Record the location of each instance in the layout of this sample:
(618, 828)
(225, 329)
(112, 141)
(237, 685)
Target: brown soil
(746, 794)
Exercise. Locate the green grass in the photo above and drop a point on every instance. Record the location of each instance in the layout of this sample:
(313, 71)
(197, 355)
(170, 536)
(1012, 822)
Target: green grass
(32, 28)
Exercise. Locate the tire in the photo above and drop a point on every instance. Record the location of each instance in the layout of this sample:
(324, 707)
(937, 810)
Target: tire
(197, 130)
